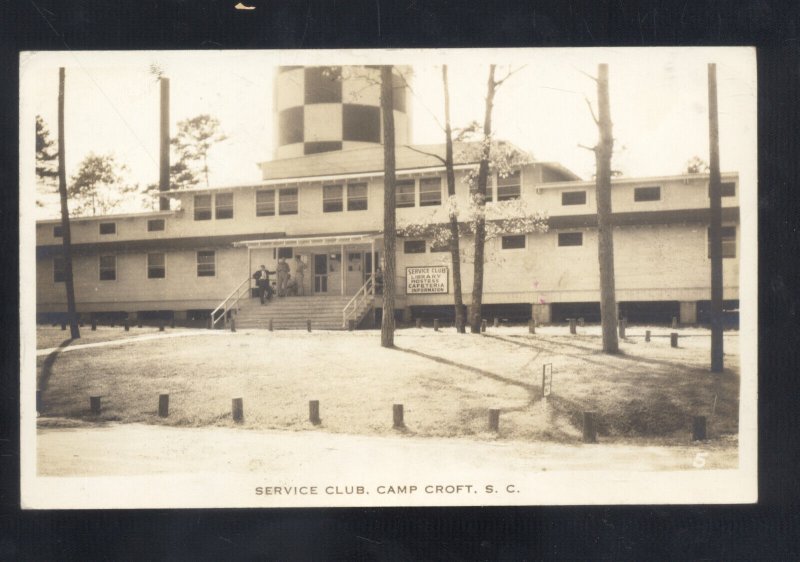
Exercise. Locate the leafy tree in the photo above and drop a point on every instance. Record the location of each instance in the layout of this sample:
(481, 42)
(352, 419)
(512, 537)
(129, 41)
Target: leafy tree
(192, 144)
(696, 165)
(46, 158)
(99, 185)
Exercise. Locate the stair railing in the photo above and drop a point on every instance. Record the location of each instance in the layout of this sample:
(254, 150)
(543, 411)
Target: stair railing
(230, 302)
(366, 291)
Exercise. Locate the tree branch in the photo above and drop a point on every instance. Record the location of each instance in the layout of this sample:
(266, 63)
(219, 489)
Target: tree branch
(585, 74)
(510, 73)
(591, 110)
(592, 148)
(439, 158)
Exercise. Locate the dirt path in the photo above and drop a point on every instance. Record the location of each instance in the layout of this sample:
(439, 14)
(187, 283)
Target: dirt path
(135, 449)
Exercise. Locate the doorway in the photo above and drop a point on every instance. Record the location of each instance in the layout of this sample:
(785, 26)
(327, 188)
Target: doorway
(321, 273)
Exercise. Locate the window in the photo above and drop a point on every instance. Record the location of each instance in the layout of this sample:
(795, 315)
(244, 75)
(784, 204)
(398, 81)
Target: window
(108, 228)
(570, 238)
(290, 125)
(224, 206)
(287, 201)
(58, 231)
(404, 193)
(728, 242)
(155, 225)
(513, 242)
(156, 266)
(206, 263)
(573, 198)
(508, 187)
(59, 269)
(647, 194)
(399, 93)
(265, 203)
(332, 199)
(727, 189)
(202, 207)
(357, 197)
(361, 123)
(323, 84)
(108, 268)
(315, 147)
(430, 192)
(284, 253)
(414, 247)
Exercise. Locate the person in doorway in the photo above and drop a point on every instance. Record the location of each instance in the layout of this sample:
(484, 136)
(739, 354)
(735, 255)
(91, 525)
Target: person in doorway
(262, 282)
(299, 275)
(378, 281)
(283, 276)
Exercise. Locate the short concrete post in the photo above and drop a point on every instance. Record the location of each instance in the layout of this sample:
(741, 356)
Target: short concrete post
(589, 428)
(674, 322)
(572, 328)
(63, 326)
(699, 428)
(38, 400)
(94, 324)
(139, 323)
(233, 324)
(308, 325)
(172, 322)
(483, 325)
(163, 405)
(496, 322)
(127, 325)
(418, 323)
(494, 419)
(673, 339)
(435, 324)
(351, 325)
(313, 412)
(622, 325)
(209, 324)
(270, 324)
(647, 335)
(94, 404)
(161, 327)
(397, 416)
(531, 326)
(237, 409)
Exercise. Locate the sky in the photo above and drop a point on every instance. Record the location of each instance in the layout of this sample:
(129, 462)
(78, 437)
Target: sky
(659, 104)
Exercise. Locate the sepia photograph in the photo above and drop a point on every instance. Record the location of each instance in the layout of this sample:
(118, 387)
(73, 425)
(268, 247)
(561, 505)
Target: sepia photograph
(435, 277)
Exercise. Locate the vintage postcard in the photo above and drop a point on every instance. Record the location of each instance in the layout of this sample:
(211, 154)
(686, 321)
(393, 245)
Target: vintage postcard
(388, 278)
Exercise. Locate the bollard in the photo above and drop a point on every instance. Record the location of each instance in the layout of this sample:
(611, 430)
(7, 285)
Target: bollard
(589, 428)
(127, 326)
(699, 428)
(622, 326)
(483, 325)
(531, 326)
(94, 404)
(172, 322)
(161, 327)
(270, 324)
(208, 324)
(351, 325)
(233, 324)
(647, 335)
(496, 322)
(313, 412)
(572, 329)
(38, 400)
(673, 339)
(674, 322)
(419, 323)
(435, 324)
(397, 416)
(163, 405)
(94, 324)
(237, 410)
(308, 325)
(63, 326)
(139, 324)
(494, 419)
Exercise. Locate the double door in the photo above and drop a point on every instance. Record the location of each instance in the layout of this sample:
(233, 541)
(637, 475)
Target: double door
(336, 274)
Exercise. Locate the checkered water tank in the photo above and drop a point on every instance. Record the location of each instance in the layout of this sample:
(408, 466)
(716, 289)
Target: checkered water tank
(324, 108)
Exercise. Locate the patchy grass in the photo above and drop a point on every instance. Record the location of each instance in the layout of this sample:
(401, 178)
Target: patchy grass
(53, 336)
(446, 382)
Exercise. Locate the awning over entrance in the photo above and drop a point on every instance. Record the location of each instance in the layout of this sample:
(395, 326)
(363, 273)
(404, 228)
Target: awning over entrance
(337, 239)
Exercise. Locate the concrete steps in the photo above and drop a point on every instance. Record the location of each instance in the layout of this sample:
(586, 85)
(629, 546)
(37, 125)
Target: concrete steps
(292, 313)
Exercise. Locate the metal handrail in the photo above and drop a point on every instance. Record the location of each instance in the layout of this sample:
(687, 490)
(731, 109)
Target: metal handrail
(368, 288)
(225, 305)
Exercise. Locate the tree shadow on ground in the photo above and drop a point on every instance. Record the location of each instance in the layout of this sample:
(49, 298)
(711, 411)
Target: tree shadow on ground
(48, 363)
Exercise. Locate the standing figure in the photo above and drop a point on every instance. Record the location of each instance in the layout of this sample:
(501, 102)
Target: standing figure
(283, 276)
(262, 281)
(299, 275)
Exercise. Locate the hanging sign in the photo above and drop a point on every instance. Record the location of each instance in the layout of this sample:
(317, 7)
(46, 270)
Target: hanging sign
(428, 280)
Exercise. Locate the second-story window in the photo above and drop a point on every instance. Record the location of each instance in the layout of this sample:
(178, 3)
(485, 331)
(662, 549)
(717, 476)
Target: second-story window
(641, 194)
(570, 238)
(332, 199)
(224, 206)
(404, 193)
(265, 203)
(357, 197)
(155, 225)
(58, 231)
(509, 187)
(726, 189)
(573, 198)
(513, 242)
(414, 247)
(287, 201)
(108, 228)
(202, 207)
(430, 192)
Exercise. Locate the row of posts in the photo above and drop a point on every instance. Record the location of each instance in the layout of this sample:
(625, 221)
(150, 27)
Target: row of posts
(126, 325)
(699, 423)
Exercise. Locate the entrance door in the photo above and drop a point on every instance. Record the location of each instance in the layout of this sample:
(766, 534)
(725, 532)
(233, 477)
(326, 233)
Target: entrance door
(355, 272)
(320, 273)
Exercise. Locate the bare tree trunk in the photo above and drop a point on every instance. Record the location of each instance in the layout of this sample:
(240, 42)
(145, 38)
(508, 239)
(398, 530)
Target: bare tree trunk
(605, 234)
(715, 234)
(389, 222)
(62, 191)
(479, 195)
(455, 250)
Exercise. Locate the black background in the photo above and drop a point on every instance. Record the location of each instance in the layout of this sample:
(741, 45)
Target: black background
(767, 531)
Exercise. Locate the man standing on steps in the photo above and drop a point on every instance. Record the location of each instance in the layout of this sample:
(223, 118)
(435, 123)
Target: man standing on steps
(283, 276)
(299, 275)
(262, 280)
